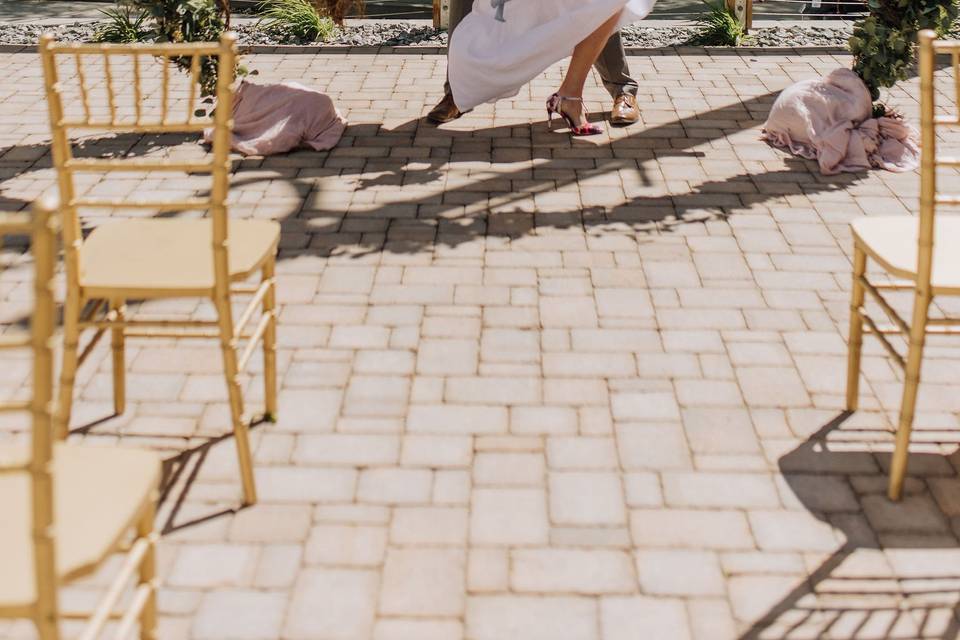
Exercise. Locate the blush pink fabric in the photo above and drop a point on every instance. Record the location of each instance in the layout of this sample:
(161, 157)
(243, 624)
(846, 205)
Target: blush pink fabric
(276, 118)
(830, 120)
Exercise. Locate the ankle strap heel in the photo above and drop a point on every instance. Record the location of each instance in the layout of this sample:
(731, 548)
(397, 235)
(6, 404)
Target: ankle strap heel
(555, 107)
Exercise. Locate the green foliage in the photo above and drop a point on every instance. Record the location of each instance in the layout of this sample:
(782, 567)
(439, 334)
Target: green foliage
(189, 21)
(296, 18)
(719, 26)
(338, 9)
(123, 25)
(884, 43)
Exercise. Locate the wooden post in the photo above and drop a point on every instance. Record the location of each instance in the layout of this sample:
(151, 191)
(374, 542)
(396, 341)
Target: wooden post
(441, 14)
(743, 10)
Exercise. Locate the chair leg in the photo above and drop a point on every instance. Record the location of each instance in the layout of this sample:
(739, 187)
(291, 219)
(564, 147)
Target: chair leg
(228, 347)
(68, 372)
(855, 343)
(118, 350)
(270, 344)
(918, 334)
(47, 630)
(45, 618)
(148, 573)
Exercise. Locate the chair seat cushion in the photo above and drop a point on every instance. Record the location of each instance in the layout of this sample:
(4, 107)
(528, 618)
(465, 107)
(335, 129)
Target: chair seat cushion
(153, 258)
(99, 492)
(892, 241)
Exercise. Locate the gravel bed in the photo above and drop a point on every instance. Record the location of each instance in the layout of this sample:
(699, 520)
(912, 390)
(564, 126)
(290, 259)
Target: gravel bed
(30, 33)
(411, 34)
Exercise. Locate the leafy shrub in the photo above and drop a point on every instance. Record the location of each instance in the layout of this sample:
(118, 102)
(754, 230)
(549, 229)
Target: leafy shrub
(338, 9)
(719, 26)
(297, 18)
(884, 43)
(190, 21)
(123, 25)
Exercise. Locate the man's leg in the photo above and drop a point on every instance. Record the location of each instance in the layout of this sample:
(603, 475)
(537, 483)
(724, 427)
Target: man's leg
(613, 70)
(458, 11)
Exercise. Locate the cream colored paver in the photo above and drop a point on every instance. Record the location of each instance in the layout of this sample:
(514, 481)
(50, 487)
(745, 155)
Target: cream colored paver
(346, 545)
(332, 603)
(423, 582)
(531, 617)
(571, 571)
(625, 618)
(508, 516)
(244, 615)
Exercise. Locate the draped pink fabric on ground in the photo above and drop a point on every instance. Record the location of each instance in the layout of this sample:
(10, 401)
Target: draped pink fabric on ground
(276, 118)
(830, 120)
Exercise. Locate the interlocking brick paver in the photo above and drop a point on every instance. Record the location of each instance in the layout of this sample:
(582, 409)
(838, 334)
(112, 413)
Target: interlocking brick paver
(624, 618)
(531, 617)
(516, 469)
(405, 629)
(694, 529)
(349, 545)
(436, 451)
(719, 490)
(347, 449)
(571, 571)
(488, 570)
(429, 526)
(278, 566)
(721, 431)
(586, 498)
(245, 615)
(423, 582)
(271, 524)
(791, 531)
(508, 516)
(305, 484)
(635, 442)
(394, 485)
(213, 565)
(572, 453)
(679, 572)
(531, 387)
(349, 604)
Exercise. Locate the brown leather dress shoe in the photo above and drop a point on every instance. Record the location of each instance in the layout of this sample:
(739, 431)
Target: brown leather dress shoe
(445, 111)
(625, 110)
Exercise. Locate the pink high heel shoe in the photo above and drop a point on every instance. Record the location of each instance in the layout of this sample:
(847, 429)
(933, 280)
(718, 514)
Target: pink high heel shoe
(554, 107)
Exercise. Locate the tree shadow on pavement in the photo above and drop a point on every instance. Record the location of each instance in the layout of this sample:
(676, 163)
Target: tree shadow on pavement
(874, 585)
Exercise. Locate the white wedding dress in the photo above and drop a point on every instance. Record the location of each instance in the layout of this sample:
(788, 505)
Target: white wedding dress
(503, 44)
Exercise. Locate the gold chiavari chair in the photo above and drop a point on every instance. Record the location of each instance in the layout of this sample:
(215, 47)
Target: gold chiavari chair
(903, 246)
(151, 259)
(62, 511)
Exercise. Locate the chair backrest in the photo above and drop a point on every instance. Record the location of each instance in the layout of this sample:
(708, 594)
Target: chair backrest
(41, 227)
(138, 103)
(930, 159)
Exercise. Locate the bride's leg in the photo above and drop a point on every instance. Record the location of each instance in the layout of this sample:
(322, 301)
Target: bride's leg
(584, 55)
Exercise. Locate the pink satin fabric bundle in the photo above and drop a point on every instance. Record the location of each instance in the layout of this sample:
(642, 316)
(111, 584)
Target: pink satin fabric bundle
(276, 118)
(830, 120)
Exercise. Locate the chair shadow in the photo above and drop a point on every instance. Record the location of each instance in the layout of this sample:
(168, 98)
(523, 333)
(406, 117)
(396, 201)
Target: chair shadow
(177, 468)
(819, 473)
(178, 477)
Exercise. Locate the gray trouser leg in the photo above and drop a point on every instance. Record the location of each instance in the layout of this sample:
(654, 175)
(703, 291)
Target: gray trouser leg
(613, 69)
(458, 11)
